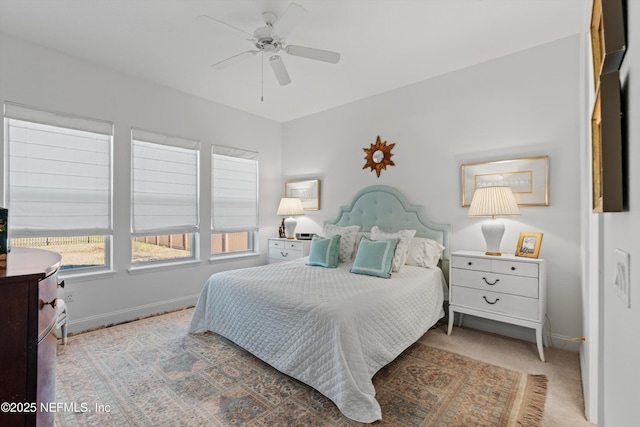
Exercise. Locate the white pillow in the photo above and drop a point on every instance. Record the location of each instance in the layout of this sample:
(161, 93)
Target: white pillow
(347, 239)
(402, 249)
(424, 252)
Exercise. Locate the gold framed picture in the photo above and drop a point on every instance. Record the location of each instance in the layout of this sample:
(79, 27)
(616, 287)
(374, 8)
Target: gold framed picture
(608, 38)
(529, 245)
(307, 191)
(606, 147)
(528, 179)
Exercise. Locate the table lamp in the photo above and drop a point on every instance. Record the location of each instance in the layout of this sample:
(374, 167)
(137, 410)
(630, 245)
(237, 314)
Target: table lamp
(290, 206)
(493, 201)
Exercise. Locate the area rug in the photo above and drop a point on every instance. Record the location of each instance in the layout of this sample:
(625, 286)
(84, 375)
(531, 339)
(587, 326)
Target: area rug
(151, 372)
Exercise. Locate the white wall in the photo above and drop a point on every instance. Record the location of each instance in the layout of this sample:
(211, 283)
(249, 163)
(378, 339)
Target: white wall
(526, 104)
(43, 78)
(521, 105)
(621, 339)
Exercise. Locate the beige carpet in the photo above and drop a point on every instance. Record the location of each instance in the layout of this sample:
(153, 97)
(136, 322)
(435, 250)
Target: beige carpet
(152, 373)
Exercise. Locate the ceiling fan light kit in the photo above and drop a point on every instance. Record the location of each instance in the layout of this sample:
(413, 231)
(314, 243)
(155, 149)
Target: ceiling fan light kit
(269, 40)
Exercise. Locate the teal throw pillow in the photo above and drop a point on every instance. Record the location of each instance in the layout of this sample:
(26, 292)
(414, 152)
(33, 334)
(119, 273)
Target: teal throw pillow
(375, 257)
(324, 252)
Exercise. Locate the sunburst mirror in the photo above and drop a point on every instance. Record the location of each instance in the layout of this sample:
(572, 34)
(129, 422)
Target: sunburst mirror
(378, 156)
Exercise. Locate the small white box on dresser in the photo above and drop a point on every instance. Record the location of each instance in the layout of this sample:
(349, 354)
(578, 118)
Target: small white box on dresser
(505, 288)
(281, 249)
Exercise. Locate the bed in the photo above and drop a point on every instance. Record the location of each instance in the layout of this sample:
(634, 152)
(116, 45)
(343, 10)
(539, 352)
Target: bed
(328, 327)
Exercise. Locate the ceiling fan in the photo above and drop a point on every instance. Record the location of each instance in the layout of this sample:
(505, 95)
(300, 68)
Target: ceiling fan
(269, 40)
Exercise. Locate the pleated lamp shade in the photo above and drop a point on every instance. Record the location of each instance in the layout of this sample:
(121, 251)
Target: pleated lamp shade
(290, 206)
(493, 201)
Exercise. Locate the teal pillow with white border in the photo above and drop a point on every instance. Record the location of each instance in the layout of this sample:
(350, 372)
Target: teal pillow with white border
(324, 252)
(375, 257)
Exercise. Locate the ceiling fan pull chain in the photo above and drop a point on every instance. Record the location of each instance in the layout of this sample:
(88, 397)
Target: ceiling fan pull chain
(262, 79)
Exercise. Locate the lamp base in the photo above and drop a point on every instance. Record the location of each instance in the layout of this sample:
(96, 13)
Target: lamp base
(290, 228)
(493, 231)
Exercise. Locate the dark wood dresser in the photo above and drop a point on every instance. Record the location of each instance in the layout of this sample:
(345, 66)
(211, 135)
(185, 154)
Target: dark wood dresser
(28, 287)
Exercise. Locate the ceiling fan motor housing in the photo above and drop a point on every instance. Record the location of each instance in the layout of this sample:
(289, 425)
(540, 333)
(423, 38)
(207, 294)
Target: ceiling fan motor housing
(265, 40)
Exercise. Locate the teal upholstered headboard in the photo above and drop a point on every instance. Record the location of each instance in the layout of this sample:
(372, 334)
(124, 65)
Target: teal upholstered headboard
(387, 208)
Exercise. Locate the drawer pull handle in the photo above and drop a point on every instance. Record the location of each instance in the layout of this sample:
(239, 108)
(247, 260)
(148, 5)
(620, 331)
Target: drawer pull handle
(61, 284)
(513, 269)
(470, 263)
(284, 254)
(489, 302)
(490, 284)
(53, 303)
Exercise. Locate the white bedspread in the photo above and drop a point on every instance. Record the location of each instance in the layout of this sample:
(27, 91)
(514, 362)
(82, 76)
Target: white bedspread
(328, 328)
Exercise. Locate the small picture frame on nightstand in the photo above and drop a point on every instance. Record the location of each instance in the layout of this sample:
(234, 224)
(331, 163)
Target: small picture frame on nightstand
(529, 245)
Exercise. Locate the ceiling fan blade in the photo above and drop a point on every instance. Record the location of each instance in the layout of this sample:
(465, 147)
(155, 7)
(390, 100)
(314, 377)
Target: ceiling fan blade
(206, 19)
(312, 53)
(234, 59)
(289, 20)
(277, 64)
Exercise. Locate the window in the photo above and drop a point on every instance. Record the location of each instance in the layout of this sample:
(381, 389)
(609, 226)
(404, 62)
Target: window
(58, 186)
(224, 243)
(234, 186)
(164, 205)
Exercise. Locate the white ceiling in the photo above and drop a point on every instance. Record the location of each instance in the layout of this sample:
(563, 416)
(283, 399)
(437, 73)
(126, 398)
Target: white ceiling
(385, 44)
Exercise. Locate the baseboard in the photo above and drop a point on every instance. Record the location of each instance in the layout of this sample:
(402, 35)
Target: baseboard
(129, 314)
(518, 332)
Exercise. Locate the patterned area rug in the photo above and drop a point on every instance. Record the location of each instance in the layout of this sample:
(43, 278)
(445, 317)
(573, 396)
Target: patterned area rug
(152, 373)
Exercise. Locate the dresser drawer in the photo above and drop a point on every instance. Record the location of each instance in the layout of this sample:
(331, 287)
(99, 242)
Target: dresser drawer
(514, 267)
(495, 282)
(283, 254)
(471, 263)
(495, 302)
(286, 244)
(505, 266)
(47, 292)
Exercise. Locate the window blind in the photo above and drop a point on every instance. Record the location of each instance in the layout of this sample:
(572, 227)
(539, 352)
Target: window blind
(234, 184)
(165, 184)
(59, 173)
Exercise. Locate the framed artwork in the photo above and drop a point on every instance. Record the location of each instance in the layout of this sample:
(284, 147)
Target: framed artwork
(528, 179)
(307, 191)
(606, 146)
(529, 245)
(608, 39)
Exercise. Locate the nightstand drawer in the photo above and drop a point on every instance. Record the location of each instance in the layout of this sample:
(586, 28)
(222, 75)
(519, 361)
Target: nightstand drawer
(283, 254)
(496, 302)
(285, 244)
(495, 265)
(495, 282)
(471, 263)
(514, 267)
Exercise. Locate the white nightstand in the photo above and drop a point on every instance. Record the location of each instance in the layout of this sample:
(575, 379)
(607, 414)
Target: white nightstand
(286, 250)
(505, 288)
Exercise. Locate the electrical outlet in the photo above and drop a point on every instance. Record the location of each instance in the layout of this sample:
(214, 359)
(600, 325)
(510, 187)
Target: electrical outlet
(68, 296)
